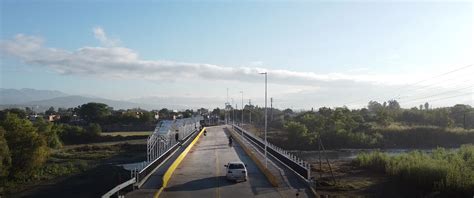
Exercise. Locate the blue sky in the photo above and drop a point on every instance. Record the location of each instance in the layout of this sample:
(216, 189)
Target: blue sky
(376, 46)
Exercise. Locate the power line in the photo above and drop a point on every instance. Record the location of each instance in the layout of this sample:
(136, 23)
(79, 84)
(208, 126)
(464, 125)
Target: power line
(430, 85)
(418, 82)
(424, 97)
(464, 94)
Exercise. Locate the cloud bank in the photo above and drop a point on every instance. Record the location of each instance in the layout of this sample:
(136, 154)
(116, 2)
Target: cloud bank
(110, 60)
(120, 62)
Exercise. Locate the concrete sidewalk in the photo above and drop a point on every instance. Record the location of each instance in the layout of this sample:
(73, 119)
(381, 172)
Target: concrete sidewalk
(289, 184)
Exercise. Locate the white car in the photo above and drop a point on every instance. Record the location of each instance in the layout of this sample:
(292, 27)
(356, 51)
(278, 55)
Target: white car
(236, 171)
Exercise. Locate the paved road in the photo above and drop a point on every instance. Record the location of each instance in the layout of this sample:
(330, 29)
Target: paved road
(202, 172)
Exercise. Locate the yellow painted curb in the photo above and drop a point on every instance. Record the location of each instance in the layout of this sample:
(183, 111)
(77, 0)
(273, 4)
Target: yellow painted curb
(172, 168)
(271, 178)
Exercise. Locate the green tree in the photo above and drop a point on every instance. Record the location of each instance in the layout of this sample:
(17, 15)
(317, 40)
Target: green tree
(30, 149)
(393, 105)
(93, 130)
(296, 133)
(441, 118)
(147, 117)
(383, 118)
(5, 157)
(374, 106)
(93, 112)
(164, 113)
(49, 131)
(50, 111)
(461, 113)
(187, 113)
(29, 111)
(71, 134)
(19, 112)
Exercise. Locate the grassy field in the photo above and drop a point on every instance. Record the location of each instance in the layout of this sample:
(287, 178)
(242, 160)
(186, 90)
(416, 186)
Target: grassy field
(127, 133)
(449, 173)
(73, 168)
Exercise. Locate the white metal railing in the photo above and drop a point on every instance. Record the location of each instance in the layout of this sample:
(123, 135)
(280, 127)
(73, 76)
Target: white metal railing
(163, 139)
(279, 150)
(158, 144)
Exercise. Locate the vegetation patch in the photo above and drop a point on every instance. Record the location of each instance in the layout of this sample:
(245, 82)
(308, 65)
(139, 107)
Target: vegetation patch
(449, 172)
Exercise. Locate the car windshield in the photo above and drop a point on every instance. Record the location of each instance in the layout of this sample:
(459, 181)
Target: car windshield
(236, 166)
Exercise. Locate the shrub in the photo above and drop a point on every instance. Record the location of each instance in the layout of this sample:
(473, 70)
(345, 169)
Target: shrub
(450, 172)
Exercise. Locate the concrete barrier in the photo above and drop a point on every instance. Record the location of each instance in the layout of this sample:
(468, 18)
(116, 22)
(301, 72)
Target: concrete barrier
(271, 178)
(172, 168)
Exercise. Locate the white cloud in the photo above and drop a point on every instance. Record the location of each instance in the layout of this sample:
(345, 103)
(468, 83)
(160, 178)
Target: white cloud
(113, 61)
(100, 35)
(121, 62)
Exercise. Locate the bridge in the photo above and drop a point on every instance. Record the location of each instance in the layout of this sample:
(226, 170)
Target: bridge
(194, 166)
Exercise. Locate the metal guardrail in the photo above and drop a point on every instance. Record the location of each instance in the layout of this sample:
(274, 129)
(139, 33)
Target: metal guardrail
(297, 165)
(119, 187)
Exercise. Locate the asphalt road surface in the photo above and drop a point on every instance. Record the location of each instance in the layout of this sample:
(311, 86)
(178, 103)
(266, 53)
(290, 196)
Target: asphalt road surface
(202, 172)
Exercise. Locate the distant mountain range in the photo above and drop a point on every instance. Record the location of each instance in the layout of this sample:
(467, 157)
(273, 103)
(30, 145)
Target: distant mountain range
(74, 101)
(20, 96)
(41, 100)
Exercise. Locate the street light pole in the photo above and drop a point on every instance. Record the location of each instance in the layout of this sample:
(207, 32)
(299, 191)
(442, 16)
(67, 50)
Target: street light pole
(233, 112)
(242, 119)
(226, 112)
(250, 112)
(235, 108)
(265, 73)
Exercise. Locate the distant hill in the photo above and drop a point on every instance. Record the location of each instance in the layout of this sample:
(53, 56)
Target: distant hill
(180, 102)
(20, 96)
(74, 101)
(41, 100)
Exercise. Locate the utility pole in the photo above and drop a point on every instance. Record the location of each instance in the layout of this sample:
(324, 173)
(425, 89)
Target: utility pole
(265, 118)
(235, 109)
(250, 112)
(226, 110)
(242, 120)
(233, 112)
(271, 109)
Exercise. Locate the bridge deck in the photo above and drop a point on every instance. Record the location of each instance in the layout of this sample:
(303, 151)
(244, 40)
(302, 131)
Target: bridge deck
(202, 172)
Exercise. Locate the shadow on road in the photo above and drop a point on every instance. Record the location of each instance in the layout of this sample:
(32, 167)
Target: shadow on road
(200, 184)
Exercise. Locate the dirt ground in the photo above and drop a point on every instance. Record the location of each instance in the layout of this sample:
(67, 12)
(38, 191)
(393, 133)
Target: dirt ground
(350, 181)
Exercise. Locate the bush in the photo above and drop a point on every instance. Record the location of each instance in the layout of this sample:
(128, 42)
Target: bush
(450, 172)
(30, 149)
(5, 157)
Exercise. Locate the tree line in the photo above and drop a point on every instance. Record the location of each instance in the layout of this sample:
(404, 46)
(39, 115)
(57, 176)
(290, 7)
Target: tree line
(378, 125)
(26, 142)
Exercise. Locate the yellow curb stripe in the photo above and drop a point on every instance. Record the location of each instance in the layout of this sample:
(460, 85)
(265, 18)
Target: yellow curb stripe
(172, 168)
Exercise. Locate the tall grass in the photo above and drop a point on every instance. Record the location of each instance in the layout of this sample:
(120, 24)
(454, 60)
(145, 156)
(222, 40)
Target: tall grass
(449, 172)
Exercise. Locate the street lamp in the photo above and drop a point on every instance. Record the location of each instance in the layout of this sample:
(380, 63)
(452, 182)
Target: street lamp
(242, 119)
(233, 112)
(265, 73)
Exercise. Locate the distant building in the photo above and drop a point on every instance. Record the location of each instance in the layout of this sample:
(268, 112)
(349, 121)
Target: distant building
(53, 117)
(33, 117)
